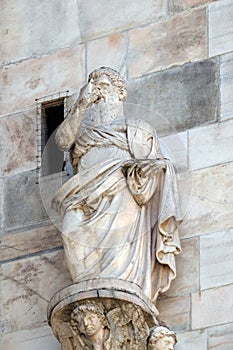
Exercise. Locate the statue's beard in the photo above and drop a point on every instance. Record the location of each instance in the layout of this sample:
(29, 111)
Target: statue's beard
(104, 111)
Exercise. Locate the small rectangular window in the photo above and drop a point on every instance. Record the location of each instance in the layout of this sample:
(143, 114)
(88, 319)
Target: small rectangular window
(52, 115)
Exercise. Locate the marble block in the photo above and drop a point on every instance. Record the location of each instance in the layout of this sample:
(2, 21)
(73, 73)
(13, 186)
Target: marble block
(19, 142)
(110, 51)
(175, 312)
(226, 75)
(19, 244)
(216, 260)
(220, 27)
(221, 337)
(211, 145)
(110, 16)
(157, 46)
(193, 340)
(212, 307)
(208, 200)
(49, 74)
(37, 339)
(37, 27)
(26, 288)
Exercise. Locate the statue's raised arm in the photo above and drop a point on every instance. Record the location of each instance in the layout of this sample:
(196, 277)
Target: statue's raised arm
(68, 131)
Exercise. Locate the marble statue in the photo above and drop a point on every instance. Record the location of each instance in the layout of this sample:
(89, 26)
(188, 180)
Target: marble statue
(120, 210)
(161, 338)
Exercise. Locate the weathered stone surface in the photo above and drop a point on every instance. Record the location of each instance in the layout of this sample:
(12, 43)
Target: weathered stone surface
(220, 27)
(109, 16)
(175, 312)
(181, 5)
(1, 204)
(216, 259)
(18, 143)
(179, 98)
(109, 51)
(226, 74)
(32, 28)
(27, 242)
(211, 145)
(209, 209)
(26, 288)
(122, 304)
(48, 186)
(174, 42)
(187, 279)
(195, 340)
(70, 101)
(212, 307)
(22, 200)
(37, 339)
(221, 337)
(35, 78)
(103, 288)
(174, 147)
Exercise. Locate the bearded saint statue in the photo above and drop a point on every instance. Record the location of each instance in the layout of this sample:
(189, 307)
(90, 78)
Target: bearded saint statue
(120, 210)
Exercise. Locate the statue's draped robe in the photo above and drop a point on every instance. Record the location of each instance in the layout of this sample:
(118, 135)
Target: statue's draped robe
(119, 224)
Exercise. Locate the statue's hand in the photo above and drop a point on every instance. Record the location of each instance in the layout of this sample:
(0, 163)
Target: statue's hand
(145, 167)
(88, 94)
(152, 166)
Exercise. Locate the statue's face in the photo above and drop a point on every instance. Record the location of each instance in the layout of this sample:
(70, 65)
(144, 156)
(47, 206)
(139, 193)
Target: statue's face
(167, 342)
(106, 89)
(89, 323)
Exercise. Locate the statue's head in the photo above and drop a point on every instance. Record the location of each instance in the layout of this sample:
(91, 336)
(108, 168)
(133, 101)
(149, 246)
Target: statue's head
(88, 318)
(161, 338)
(105, 76)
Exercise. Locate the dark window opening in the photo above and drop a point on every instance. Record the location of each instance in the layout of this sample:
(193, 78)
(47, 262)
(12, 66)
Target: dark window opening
(52, 117)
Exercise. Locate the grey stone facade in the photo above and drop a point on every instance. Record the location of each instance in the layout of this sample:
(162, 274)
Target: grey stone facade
(180, 54)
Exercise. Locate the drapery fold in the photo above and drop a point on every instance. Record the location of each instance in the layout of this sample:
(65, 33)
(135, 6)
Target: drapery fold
(119, 223)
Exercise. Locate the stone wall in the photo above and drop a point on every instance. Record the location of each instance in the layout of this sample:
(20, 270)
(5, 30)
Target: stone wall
(177, 56)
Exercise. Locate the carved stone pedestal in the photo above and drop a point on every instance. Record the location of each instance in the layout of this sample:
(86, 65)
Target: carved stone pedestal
(102, 314)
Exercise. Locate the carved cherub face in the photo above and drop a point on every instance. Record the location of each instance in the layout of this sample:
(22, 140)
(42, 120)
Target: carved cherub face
(89, 323)
(167, 342)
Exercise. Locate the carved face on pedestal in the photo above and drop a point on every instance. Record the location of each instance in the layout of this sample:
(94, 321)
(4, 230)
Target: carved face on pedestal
(89, 323)
(165, 343)
(161, 338)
